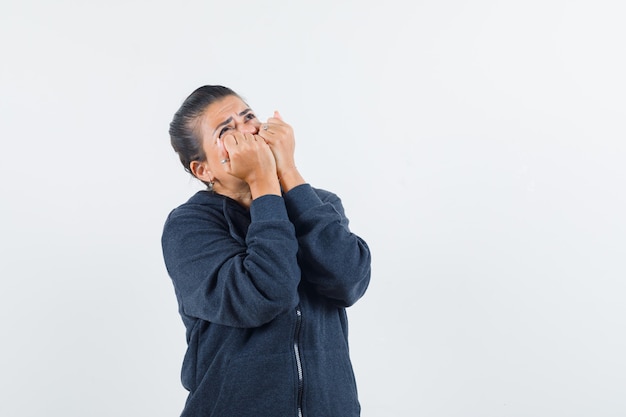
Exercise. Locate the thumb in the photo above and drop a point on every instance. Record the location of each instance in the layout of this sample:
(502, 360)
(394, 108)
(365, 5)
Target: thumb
(277, 115)
(221, 149)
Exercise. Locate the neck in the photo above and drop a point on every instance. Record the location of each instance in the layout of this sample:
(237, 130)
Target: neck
(241, 195)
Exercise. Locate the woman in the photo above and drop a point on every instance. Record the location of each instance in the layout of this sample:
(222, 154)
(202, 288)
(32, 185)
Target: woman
(263, 266)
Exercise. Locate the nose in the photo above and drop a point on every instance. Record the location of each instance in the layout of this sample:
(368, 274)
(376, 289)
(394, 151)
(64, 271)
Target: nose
(250, 127)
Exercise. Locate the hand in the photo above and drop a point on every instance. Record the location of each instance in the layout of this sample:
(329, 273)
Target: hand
(251, 160)
(280, 138)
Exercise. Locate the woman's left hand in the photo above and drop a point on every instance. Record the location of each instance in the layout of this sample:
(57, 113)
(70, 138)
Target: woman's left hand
(279, 136)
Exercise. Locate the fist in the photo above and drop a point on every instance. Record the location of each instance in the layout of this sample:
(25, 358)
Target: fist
(251, 158)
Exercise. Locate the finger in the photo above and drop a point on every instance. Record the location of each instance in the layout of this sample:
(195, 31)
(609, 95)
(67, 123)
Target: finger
(229, 142)
(263, 142)
(264, 131)
(222, 152)
(239, 137)
(260, 137)
(276, 120)
(266, 135)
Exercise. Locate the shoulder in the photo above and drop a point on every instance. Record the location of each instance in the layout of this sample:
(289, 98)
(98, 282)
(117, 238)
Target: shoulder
(202, 207)
(201, 202)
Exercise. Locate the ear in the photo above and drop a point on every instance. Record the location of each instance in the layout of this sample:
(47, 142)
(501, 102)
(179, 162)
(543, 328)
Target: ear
(200, 170)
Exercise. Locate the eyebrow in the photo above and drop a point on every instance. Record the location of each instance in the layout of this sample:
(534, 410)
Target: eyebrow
(230, 119)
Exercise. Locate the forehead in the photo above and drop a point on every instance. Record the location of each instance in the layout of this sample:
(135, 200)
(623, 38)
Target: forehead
(222, 109)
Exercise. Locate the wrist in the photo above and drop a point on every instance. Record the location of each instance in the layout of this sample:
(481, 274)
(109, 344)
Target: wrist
(290, 178)
(264, 186)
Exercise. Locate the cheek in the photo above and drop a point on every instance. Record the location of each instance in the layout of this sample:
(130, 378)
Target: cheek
(209, 146)
(214, 150)
(208, 150)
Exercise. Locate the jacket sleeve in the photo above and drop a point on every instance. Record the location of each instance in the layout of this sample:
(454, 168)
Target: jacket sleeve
(334, 260)
(219, 277)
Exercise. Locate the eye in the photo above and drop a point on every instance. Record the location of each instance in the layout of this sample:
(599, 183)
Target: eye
(224, 130)
(250, 116)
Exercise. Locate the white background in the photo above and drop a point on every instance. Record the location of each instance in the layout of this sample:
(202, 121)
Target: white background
(478, 147)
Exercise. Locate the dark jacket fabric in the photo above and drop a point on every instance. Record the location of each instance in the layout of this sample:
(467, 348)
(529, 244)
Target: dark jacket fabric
(262, 293)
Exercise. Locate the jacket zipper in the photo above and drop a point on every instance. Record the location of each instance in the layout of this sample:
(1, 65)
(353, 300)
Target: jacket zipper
(296, 351)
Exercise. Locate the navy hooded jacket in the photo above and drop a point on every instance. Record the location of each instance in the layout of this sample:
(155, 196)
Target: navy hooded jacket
(262, 293)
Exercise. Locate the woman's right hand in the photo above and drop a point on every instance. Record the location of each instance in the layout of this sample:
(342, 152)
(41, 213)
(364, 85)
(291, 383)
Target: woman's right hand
(252, 161)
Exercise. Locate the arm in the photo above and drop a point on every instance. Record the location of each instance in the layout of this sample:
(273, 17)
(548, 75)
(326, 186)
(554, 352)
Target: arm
(280, 138)
(334, 260)
(222, 278)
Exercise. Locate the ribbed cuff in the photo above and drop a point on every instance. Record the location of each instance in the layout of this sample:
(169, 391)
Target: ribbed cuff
(301, 198)
(268, 207)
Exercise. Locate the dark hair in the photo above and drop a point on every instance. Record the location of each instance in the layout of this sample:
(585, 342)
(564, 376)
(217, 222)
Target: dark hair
(185, 136)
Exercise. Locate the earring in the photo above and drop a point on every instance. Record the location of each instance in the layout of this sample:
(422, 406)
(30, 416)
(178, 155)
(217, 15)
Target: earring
(210, 185)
